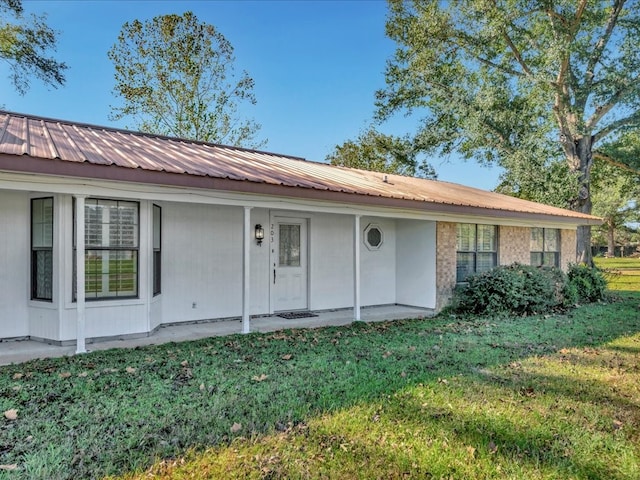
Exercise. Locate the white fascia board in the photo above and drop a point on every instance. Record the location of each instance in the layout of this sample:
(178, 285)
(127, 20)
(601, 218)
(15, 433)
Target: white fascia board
(159, 193)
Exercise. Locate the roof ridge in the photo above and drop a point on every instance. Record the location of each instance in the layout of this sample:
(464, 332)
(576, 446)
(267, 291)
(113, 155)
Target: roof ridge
(145, 134)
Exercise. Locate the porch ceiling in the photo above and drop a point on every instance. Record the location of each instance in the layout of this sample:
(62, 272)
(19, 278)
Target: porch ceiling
(48, 146)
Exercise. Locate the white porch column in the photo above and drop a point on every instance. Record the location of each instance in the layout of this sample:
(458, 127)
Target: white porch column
(80, 282)
(356, 267)
(246, 271)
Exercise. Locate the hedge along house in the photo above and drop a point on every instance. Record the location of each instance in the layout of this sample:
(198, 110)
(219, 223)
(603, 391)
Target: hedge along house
(160, 230)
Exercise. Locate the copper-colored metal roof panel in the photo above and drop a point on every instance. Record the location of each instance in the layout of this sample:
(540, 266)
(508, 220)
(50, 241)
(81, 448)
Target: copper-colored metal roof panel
(48, 139)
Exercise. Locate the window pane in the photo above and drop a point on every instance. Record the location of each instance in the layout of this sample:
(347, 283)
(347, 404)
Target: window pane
(485, 262)
(289, 245)
(110, 223)
(466, 237)
(42, 222)
(94, 261)
(536, 259)
(43, 274)
(157, 272)
(156, 227)
(551, 243)
(551, 259)
(536, 240)
(486, 238)
(465, 265)
(111, 257)
(124, 267)
(374, 237)
(157, 222)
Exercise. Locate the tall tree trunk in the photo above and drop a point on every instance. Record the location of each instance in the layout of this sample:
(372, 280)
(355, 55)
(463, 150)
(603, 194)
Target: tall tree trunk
(580, 162)
(611, 244)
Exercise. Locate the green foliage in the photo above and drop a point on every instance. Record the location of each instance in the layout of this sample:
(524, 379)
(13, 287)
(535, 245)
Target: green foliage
(378, 152)
(615, 197)
(589, 283)
(25, 44)
(462, 396)
(514, 289)
(176, 77)
(518, 83)
(539, 180)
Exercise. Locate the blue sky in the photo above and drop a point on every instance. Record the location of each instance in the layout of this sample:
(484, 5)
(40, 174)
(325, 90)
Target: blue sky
(316, 66)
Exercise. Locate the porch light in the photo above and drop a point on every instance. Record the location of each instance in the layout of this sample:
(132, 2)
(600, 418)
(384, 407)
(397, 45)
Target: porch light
(259, 234)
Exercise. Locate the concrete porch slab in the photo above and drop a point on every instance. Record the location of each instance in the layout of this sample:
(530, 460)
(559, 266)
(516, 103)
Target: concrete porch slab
(19, 351)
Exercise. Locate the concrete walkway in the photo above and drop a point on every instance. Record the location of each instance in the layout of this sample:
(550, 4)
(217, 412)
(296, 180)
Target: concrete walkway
(23, 350)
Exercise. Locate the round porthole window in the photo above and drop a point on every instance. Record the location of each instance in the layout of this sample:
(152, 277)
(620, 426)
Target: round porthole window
(373, 236)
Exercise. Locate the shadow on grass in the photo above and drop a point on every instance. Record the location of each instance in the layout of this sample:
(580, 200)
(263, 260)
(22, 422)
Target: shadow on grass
(116, 411)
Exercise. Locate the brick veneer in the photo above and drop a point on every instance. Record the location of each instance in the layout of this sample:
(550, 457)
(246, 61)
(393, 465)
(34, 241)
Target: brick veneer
(513, 246)
(445, 262)
(567, 248)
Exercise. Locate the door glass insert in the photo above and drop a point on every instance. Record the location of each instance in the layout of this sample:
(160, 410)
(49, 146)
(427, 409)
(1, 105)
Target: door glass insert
(289, 246)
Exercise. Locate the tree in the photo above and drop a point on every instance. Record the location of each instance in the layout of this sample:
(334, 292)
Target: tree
(615, 198)
(509, 81)
(176, 77)
(378, 152)
(25, 45)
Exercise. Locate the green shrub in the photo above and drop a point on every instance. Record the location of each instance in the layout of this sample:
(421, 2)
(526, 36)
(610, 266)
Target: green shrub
(588, 282)
(515, 289)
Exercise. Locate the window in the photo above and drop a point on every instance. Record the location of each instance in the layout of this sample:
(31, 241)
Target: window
(157, 257)
(373, 237)
(289, 245)
(111, 249)
(477, 249)
(42, 249)
(545, 247)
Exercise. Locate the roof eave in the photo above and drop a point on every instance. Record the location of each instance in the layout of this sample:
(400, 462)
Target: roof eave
(56, 167)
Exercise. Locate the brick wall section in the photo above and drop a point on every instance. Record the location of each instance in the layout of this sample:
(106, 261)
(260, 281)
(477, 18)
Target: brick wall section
(567, 248)
(513, 245)
(445, 262)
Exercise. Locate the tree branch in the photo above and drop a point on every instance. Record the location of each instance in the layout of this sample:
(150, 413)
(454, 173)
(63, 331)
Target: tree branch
(602, 110)
(606, 158)
(632, 120)
(602, 41)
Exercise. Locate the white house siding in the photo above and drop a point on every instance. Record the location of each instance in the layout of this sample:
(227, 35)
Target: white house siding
(14, 264)
(378, 267)
(416, 263)
(201, 262)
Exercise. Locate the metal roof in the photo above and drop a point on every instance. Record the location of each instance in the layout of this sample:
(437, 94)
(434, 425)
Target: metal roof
(70, 146)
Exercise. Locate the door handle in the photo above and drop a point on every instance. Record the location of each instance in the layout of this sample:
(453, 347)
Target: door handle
(274, 276)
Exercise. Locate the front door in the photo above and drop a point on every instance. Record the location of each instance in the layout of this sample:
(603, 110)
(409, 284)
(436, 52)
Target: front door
(288, 264)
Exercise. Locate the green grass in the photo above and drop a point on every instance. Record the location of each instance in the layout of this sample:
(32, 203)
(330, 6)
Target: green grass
(450, 397)
(622, 273)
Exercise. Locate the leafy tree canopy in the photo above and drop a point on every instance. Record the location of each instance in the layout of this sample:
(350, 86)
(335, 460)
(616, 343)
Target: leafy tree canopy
(25, 45)
(175, 76)
(508, 81)
(616, 192)
(378, 152)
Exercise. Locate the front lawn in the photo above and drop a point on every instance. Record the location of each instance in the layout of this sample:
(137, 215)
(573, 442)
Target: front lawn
(454, 397)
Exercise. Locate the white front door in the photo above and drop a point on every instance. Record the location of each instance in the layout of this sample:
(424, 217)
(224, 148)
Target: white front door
(288, 264)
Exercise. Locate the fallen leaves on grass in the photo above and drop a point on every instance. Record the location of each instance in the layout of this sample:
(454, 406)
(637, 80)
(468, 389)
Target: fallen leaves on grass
(130, 370)
(260, 378)
(236, 427)
(17, 376)
(287, 356)
(11, 414)
(493, 448)
(64, 375)
(12, 466)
